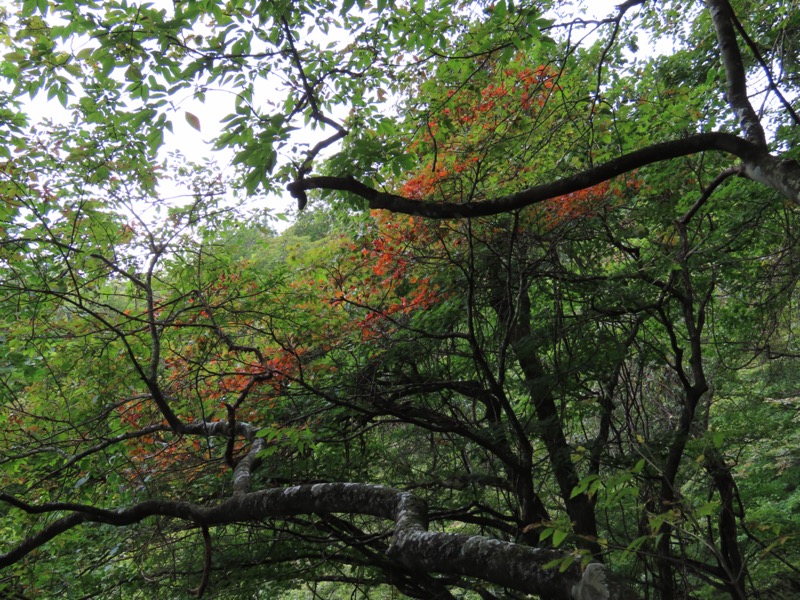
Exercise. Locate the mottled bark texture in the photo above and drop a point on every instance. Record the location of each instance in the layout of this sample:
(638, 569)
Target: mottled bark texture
(413, 547)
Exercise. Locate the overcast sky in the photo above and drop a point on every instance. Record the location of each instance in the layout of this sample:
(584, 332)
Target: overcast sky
(198, 145)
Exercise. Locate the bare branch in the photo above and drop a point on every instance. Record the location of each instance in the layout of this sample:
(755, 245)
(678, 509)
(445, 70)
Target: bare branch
(201, 589)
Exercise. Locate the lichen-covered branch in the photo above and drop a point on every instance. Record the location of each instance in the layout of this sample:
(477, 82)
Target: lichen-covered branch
(413, 547)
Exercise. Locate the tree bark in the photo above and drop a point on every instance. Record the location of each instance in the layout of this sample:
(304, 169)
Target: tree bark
(758, 165)
(722, 17)
(413, 547)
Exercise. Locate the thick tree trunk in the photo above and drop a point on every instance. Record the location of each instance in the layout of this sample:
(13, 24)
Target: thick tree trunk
(732, 561)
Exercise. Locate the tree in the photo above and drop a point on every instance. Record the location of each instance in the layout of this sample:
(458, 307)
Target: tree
(531, 385)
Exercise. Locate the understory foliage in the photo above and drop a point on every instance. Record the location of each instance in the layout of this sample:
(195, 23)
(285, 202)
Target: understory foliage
(396, 396)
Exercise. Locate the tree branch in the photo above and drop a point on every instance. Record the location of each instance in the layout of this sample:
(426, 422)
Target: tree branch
(412, 547)
(316, 114)
(764, 67)
(201, 589)
(722, 17)
(759, 165)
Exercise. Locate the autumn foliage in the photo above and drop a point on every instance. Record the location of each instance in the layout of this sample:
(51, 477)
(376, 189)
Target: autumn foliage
(474, 146)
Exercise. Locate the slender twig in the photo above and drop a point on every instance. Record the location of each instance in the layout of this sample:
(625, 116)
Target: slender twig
(201, 589)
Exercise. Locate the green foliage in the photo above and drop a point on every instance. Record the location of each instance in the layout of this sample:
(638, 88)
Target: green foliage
(602, 373)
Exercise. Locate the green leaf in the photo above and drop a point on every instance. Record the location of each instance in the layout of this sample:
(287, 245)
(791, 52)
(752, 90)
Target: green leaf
(192, 120)
(558, 537)
(566, 563)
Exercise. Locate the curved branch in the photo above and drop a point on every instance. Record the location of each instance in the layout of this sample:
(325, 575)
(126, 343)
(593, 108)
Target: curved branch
(201, 589)
(759, 165)
(243, 472)
(708, 191)
(412, 547)
(617, 20)
(316, 114)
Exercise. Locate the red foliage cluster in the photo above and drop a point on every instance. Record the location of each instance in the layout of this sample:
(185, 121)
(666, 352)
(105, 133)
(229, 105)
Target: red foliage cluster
(583, 203)
(384, 284)
(471, 121)
(468, 138)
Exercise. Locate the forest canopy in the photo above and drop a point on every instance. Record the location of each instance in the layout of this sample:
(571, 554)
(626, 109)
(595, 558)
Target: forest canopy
(530, 334)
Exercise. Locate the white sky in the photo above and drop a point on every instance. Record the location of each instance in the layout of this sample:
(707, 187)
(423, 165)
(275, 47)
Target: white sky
(198, 145)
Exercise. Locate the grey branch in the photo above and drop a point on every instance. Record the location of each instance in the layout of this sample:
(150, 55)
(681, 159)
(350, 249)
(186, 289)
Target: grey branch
(413, 547)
